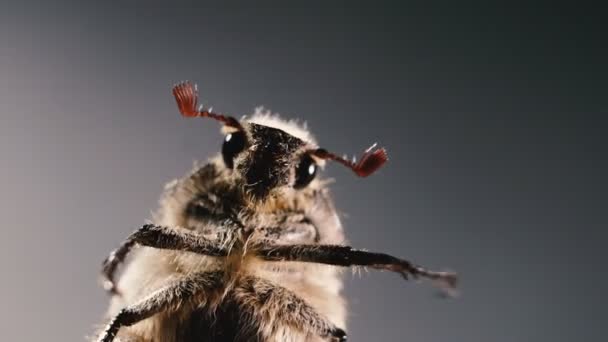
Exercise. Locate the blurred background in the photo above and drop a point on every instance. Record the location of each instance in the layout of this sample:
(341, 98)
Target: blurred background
(494, 118)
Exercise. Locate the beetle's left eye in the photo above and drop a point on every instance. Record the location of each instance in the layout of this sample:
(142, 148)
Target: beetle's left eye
(305, 172)
(234, 143)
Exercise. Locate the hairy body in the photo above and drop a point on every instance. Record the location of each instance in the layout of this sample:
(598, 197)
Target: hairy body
(244, 248)
(309, 218)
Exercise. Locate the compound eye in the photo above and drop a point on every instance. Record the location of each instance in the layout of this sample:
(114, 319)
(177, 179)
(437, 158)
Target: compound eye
(234, 143)
(305, 172)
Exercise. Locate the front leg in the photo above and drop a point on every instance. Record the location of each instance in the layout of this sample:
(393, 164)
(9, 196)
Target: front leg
(158, 237)
(275, 307)
(347, 256)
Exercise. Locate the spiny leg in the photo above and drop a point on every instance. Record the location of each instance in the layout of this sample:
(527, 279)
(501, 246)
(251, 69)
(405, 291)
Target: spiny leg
(279, 306)
(347, 256)
(158, 237)
(191, 290)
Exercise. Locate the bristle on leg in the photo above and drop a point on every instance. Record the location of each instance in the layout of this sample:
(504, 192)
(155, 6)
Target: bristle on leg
(446, 282)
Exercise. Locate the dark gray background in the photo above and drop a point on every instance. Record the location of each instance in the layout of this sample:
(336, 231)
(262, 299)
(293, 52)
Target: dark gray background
(494, 118)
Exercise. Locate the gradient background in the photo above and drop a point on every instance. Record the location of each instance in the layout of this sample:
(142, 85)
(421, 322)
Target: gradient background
(494, 117)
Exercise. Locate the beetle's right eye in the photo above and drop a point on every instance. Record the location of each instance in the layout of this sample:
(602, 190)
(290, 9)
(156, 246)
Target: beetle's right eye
(234, 143)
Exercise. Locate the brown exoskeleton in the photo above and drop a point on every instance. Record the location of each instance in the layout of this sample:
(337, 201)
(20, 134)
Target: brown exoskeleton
(245, 247)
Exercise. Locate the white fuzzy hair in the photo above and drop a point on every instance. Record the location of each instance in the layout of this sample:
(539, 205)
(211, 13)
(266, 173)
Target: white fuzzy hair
(263, 116)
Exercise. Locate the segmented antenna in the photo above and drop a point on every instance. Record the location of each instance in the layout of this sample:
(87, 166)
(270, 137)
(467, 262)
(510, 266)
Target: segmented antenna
(186, 96)
(370, 161)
